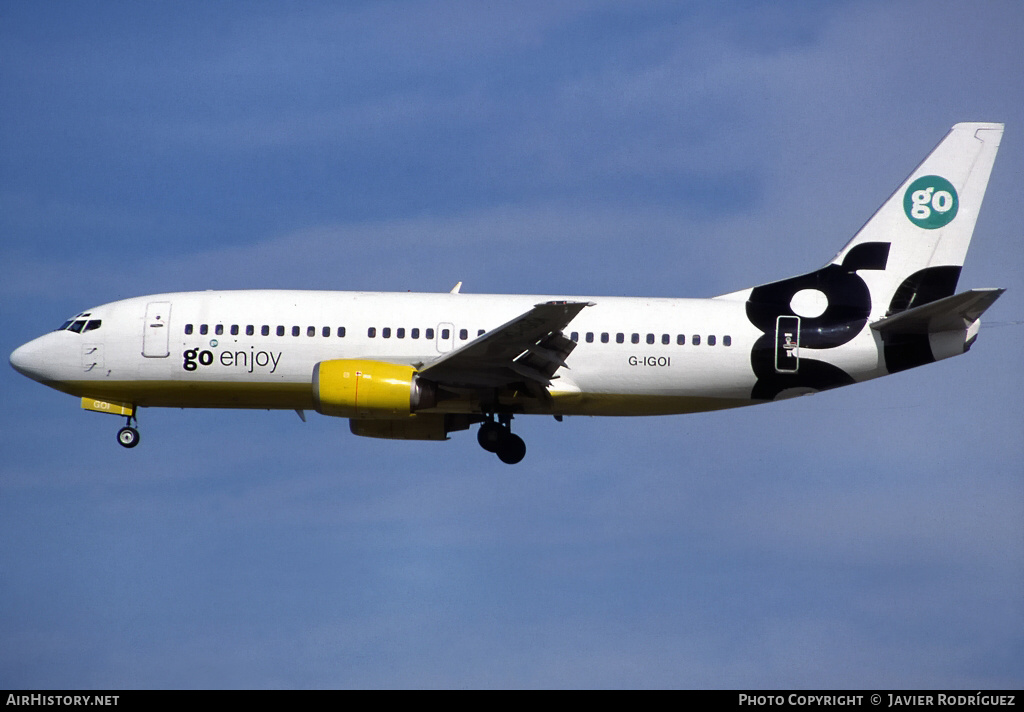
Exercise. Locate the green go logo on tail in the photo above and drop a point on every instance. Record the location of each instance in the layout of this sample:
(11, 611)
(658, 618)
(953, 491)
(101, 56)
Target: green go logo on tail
(931, 202)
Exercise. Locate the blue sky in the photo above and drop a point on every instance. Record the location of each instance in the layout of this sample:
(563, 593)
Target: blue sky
(867, 537)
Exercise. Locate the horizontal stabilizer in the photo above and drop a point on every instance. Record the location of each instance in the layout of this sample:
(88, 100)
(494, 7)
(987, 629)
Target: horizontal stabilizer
(948, 314)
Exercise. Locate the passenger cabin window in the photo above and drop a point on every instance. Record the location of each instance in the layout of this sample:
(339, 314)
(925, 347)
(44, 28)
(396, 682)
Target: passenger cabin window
(726, 341)
(234, 329)
(681, 339)
(249, 330)
(429, 333)
(415, 333)
(188, 329)
(665, 339)
(310, 331)
(590, 337)
(696, 339)
(341, 331)
(296, 331)
(386, 332)
(400, 333)
(463, 334)
(372, 332)
(711, 340)
(650, 338)
(635, 338)
(575, 337)
(445, 334)
(604, 337)
(265, 330)
(204, 329)
(620, 338)
(326, 331)
(280, 330)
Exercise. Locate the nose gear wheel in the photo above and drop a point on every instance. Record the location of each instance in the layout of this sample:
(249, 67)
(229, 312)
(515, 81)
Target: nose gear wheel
(128, 436)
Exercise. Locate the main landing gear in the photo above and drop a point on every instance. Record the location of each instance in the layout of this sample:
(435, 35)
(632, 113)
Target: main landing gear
(128, 436)
(497, 437)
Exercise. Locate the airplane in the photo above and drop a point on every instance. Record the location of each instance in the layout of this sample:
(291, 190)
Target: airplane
(419, 366)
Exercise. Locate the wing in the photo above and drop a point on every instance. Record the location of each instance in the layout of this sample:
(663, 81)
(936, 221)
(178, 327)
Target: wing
(527, 350)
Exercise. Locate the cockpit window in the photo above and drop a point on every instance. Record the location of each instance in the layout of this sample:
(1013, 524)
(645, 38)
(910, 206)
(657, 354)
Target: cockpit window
(80, 325)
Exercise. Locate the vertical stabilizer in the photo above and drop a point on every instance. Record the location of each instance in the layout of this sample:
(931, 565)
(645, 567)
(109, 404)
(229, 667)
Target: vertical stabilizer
(928, 222)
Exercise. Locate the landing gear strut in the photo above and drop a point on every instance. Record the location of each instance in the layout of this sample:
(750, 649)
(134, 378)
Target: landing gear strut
(128, 436)
(497, 437)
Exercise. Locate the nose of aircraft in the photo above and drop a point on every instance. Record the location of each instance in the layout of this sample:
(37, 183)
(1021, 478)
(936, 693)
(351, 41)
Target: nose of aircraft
(28, 360)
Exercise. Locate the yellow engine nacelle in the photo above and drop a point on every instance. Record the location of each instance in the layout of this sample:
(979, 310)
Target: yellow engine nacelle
(355, 388)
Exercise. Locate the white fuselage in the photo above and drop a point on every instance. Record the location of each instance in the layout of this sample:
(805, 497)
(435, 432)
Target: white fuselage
(258, 349)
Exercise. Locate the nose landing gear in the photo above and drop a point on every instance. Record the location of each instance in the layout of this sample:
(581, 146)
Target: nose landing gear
(497, 437)
(128, 436)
